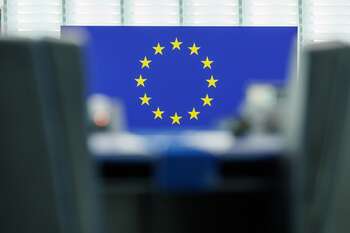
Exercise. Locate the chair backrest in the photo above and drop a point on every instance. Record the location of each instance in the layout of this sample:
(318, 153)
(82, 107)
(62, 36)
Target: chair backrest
(68, 77)
(46, 179)
(338, 209)
(323, 91)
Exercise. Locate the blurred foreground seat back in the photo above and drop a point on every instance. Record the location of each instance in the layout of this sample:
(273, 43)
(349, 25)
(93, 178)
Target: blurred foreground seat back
(28, 199)
(46, 179)
(338, 185)
(67, 64)
(322, 113)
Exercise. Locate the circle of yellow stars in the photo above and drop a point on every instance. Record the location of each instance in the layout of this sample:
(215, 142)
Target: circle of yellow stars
(194, 50)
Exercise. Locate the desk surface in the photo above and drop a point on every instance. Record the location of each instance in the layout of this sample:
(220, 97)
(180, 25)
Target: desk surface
(131, 147)
(251, 184)
(135, 157)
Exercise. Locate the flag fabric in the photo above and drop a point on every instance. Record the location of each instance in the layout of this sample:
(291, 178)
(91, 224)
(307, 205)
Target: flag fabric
(184, 77)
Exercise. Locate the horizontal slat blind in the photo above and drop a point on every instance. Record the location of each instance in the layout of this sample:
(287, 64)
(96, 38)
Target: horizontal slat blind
(93, 12)
(270, 12)
(322, 20)
(326, 20)
(210, 12)
(152, 12)
(33, 17)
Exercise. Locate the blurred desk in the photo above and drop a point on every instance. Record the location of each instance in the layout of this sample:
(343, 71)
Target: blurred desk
(129, 156)
(147, 146)
(253, 184)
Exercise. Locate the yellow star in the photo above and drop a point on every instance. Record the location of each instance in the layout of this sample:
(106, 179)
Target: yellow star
(193, 114)
(207, 63)
(206, 100)
(158, 114)
(140, 81)
(145, 62)
(194, 49)
(158, 49)
(176, 119)
(212, 81)
(176, 44)
(145, 99)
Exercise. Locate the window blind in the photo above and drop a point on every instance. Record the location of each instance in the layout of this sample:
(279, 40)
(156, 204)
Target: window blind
(270, 12)
(93, 12)
(210, 12)
(151, 12)
(326, 20)
(33, 17)
(322, 20)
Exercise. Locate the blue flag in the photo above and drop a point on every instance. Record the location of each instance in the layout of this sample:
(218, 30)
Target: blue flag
(184, 77)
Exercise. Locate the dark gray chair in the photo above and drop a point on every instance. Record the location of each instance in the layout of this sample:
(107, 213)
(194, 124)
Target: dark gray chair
(47, 181)
(320, 136)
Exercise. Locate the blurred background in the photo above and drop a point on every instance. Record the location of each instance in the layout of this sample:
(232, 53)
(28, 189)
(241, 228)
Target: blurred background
(69, 163)
(318, 20)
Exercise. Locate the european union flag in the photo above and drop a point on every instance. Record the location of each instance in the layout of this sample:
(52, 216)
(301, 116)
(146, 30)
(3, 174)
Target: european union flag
(184, 77)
